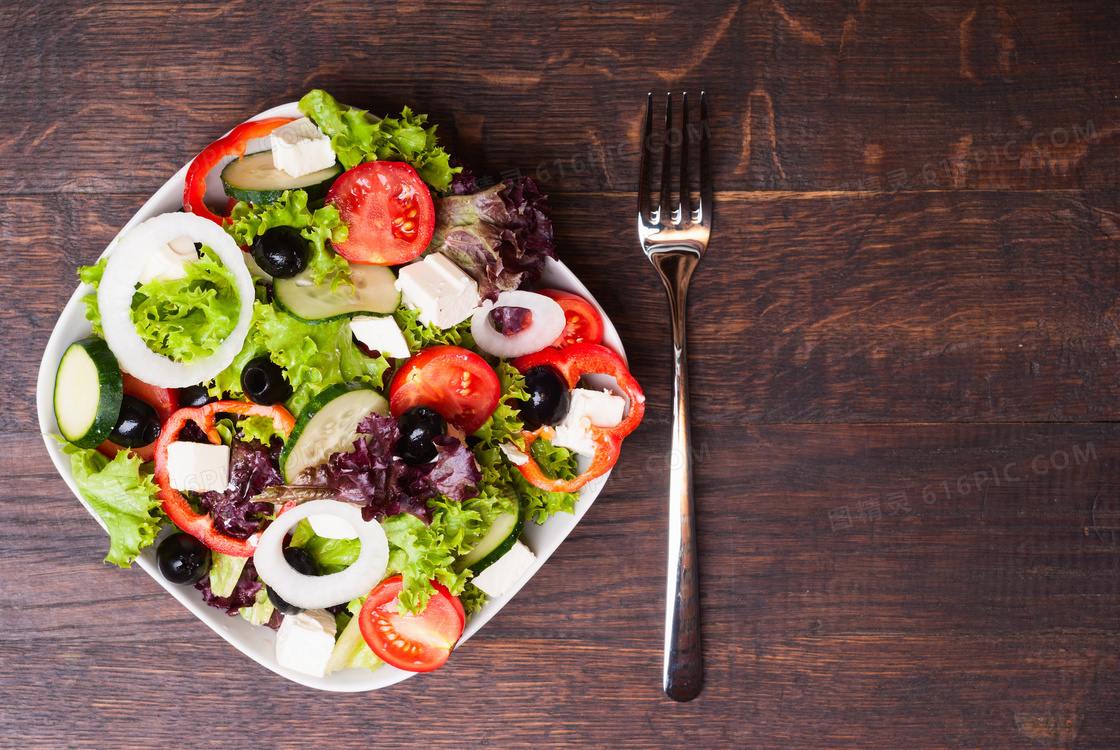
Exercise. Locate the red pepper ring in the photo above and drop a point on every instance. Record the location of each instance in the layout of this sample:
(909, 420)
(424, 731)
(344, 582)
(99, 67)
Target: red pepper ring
(194, 190)
(174, 504)
(573, 362)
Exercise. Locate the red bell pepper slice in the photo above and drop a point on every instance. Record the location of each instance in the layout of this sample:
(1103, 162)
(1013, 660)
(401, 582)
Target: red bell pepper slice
(174, 504)
(573, 362)
(230, 145)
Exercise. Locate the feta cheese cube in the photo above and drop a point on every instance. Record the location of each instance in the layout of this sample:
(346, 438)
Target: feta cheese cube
(300, 148)
(587, 408)
(305, 641)
(504, 574)
(444, 294)
(198, 467)
(381, 334)
(331, 527)
(168, 262)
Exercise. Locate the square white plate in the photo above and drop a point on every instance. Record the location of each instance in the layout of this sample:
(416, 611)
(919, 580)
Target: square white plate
(257, 642)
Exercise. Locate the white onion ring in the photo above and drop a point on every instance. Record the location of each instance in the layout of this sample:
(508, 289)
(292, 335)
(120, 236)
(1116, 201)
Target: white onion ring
(122, 272)
(318, 592)
(547, 324)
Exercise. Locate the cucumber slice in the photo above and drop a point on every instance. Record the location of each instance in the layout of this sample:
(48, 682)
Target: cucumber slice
(328, 425)
(503, 534)
(88, 389)
(254, 179)
(374, 293)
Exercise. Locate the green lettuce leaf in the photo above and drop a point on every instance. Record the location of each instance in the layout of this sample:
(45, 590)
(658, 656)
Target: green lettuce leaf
(122, 493)
(225, 571)
(261, 611)
(249, 221)
(189, 318)
(357, 137)
(419, 336)
(314, 356)
(92, 275)
(331, 555)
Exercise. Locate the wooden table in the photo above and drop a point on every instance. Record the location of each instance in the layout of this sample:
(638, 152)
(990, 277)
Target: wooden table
(905, 368)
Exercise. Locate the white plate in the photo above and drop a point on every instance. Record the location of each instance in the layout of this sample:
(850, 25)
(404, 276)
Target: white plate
(257, 642)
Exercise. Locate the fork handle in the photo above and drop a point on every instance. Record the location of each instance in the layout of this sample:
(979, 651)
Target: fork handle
(682, 673)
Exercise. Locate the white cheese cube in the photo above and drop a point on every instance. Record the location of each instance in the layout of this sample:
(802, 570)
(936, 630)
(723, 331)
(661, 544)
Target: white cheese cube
(198, 467)
(305, 641)
(504, 574)
(300, 148)
(587, 408)
(444, 294)
(330, 526)
(168, 262)
(382, 334)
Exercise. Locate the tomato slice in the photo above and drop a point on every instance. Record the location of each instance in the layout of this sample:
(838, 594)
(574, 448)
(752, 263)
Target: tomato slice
(455, 382)
(164, 400)
(414, 643)
(583, 325)
(388, 210)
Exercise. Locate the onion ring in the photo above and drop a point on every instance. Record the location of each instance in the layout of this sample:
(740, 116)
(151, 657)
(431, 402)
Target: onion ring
(122, 273)
(545, 327)
(317, 592)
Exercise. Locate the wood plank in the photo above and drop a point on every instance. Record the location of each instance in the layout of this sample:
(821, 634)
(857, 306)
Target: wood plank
(805, 96)
(930, 307)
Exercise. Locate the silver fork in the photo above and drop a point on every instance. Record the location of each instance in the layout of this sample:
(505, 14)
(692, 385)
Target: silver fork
(674, 240)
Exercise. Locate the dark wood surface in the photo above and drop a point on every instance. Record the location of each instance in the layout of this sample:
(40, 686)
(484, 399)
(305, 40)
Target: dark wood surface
(905, 349)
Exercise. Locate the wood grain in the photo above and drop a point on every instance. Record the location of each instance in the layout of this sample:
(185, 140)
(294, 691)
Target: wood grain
(905, 380)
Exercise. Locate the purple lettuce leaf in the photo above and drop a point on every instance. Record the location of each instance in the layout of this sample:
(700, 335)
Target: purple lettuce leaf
(244, 592)
(252, 468)
(500, 236)
(374, 477)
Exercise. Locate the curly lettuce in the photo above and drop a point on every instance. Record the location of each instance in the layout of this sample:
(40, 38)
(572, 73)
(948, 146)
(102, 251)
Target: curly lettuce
(122, 493)
(357, 137)
(188, 318)
(314, 356)
(249, 221)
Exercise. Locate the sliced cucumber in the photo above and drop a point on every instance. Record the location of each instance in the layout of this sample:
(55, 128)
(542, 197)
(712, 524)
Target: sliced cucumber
(503, 533)
(328, 425)
(254, 179)
(373, 292)
(88, 389)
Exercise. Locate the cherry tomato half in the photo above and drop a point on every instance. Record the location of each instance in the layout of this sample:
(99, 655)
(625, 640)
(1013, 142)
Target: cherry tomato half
(164, 400)
(455, 382)
(583, 324)
(388, 210)
(414, 643)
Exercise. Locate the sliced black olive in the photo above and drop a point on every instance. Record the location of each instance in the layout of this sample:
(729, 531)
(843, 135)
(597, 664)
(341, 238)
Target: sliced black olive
(263, 381)
(137, 424)
(183, 559)
(548, 397)
(302, 561)
(194, 396)
(281, 252)
(419, 425)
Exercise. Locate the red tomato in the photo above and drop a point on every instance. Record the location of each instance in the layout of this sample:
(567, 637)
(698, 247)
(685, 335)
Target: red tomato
(455, 382)
(164, 400)
(389, 211)
(414, 643)
(583, 322)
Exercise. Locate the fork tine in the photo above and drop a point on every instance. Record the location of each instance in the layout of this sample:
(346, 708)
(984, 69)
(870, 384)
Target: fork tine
(705, 209)
(645, 176)
(684, 210)
(664, 211)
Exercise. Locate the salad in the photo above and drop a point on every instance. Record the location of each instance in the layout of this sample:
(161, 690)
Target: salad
(334, 405)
